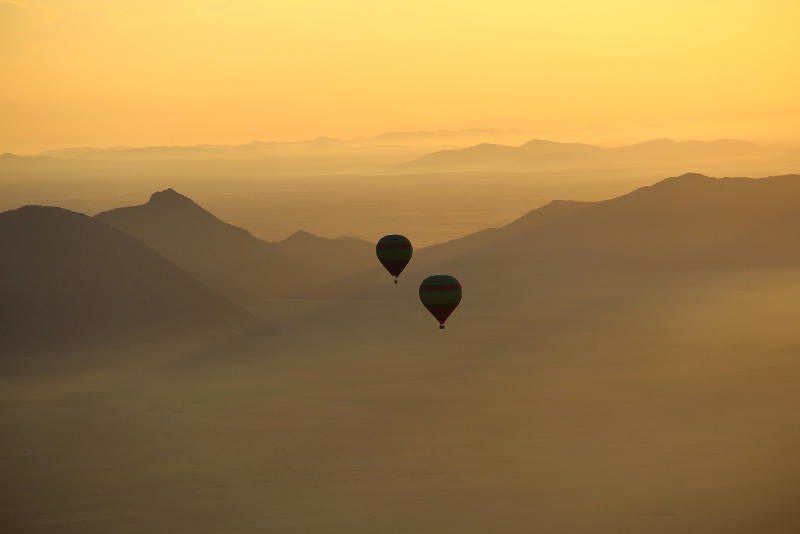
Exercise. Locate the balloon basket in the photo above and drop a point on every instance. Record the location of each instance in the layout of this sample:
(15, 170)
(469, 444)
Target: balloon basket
(441, 327)
(395, 280)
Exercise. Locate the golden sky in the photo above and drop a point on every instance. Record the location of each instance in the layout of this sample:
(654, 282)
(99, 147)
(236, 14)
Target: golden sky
(144, 72)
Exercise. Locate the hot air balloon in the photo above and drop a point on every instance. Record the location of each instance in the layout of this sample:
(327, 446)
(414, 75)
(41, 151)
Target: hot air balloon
(394, 252)
(440, 293)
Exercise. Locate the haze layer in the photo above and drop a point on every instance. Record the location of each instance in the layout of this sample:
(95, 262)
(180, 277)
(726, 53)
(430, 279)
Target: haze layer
(110, 72)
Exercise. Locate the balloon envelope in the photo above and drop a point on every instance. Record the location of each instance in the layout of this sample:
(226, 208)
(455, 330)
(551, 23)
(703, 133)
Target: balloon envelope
(394, 252)
(441, 294)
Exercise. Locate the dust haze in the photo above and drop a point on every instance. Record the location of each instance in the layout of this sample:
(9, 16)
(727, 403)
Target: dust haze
(226, 354)
(197, 336)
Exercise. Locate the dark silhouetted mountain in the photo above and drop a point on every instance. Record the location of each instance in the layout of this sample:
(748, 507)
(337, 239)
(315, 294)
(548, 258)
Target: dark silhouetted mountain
(341, 256)
(540, 153)
(691, 221)
(232, 261)
(68, 281)
(546, 215)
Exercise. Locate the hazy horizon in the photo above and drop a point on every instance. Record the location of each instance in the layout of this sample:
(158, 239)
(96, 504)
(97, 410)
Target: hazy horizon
(205, 206)
(629, 363)
(117, 72)
(594, 135)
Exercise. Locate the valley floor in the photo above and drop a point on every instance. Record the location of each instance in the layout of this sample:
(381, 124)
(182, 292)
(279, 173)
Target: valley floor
(643, 403)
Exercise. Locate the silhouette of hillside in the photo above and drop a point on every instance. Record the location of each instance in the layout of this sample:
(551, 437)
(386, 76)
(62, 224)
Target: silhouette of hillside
(690, 221)
(231, 260)
(11, 164)
(314, 147)
(687, 222)
(69, 281)
(341, 256)
(536, 150)
(541, 153)
(531, 221)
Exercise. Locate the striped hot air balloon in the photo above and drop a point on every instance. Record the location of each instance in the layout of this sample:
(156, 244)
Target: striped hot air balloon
(394, 252)
(440, 293)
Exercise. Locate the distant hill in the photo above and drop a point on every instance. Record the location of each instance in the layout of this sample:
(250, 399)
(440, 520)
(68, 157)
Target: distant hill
(474, 150)
(530, 152)
(541, 153)
(548, 214)
(231, 260)
(9, 163)
(338, 256)
(68, 281)
(77, 152)
(690, 222)
(414, 143)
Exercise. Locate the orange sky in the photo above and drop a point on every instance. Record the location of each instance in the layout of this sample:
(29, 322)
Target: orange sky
(143, 72)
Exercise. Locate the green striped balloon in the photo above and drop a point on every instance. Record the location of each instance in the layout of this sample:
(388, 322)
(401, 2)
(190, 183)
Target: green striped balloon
(394, 252)
(440, 294)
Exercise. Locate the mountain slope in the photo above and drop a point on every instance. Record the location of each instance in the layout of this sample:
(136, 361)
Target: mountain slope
(232, 261)
(69, 281)
(541, 153)
(547, 214)
(320, 145)
(690, 222)
(340, 256)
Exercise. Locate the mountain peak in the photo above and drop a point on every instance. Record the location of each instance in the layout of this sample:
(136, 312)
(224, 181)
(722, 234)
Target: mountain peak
(169, 200)
(682, 184)
(172, 218)
(661, 142)
(168, 196)
(301, 236)
(690, 176)
(72, 281)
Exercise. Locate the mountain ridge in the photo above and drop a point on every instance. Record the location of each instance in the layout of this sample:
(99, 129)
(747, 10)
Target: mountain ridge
(689, 222)
(232, 261)
(550, 153)
(417, 139)
(69, 281)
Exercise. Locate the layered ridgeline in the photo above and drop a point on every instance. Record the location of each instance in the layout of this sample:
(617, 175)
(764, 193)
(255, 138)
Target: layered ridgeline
(690, 222)
(231, 260)
(387, 143)
(408, 153)
(541, 153)
(321, 155)
(68, 281)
